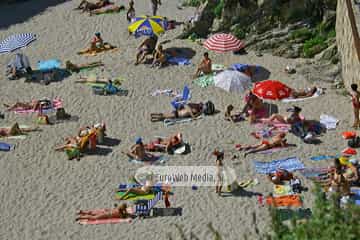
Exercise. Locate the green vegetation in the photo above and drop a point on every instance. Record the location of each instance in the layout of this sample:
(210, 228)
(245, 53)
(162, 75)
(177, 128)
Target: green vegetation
(218, 9)
(192, 3)
(239, 32)
(303, 33)
(314, 46)
(328, 221)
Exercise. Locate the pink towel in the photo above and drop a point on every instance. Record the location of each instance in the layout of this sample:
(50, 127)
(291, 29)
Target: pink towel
(56, 103)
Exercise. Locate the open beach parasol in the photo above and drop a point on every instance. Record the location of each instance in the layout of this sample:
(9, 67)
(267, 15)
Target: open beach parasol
(223, 42)
(232, 81)
(16, 41)
(147, 26)
(271, 90)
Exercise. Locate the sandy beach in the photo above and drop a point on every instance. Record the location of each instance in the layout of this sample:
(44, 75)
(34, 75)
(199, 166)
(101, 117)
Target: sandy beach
(41, 190)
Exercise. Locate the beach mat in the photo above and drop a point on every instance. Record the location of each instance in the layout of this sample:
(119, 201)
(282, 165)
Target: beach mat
(289, 164)
(105, 221)
(5, 147)
(166, 212)
(178, 60)
(95, 53)
(284, 201)
(282, 190)
(285, 214)
(135, 197)
(56, 103)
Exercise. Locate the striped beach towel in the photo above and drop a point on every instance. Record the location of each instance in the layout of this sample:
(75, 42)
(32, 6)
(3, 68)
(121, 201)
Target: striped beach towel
(289, 164)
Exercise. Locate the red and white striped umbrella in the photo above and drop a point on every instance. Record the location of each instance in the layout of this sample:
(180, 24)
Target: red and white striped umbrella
(222, 42)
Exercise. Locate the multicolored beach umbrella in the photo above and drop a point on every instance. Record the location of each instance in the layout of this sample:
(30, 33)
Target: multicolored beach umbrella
(147, 26)
(16, 41)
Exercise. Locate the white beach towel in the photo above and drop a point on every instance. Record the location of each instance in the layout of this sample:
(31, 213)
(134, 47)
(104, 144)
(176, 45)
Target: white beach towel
(330, 122)
(288, 100)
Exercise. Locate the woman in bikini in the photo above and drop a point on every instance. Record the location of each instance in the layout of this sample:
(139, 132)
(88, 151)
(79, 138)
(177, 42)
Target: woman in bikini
(119, 212)
(356, 104)
(277, 141)
(303, 93)
(164, 144)
(254, 108)
(143, 190)
(14, 130)
(33, 105)
(293, 118)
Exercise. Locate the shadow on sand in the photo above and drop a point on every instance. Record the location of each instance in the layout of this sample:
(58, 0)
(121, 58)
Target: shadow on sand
(21, 10)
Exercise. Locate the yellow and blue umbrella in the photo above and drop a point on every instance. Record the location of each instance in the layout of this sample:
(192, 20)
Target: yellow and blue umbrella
(148, 26)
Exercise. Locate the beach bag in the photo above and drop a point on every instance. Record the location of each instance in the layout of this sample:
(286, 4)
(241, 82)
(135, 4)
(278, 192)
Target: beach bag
(354, 142)
(209, 108)
(42, 119)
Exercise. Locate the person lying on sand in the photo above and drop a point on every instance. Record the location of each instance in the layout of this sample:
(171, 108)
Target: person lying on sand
(277, 141)
(77, 67)
(147, 47)
(293, 118)
(204, 67)
(70, 142)
(110, 9)
(15, 130)
(87, 6)
(143, 190)
(33, 105)
(254, 108)
(280, 175)
(159, 57)
(232, 117)
(190, 110)
(164, 144)
(119, 212)
(303, 93)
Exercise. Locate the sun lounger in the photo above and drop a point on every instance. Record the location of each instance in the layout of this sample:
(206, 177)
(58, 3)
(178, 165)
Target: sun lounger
(5, 147)
(182, 100)
(143, 208)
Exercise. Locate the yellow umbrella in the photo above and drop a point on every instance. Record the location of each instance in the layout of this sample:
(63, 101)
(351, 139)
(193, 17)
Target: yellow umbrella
(148, 26)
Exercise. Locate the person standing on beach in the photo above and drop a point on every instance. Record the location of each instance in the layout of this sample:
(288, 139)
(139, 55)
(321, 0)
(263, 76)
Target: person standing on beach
(219, 169)
(154, 6)
(356, 104)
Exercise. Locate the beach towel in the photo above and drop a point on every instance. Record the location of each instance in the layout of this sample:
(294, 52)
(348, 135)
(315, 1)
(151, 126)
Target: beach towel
(323, 157)
(328, 121)
(178, 60)
(290, 164)
(19, 137)
(55, 104)
(105, 221)
(205, 80)
(167, 212)
(154, 160)
(356, 195)
(289, 100)
(286, 214)
(173, 121)
(5, 147)
(281, 190)
(284, 201)
(283, 127)
(135, 197)
(91, 53)
(166, 92)
(317, 174)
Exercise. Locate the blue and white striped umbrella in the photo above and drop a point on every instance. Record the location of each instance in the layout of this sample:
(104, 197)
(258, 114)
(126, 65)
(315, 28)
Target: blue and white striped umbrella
(16, 41)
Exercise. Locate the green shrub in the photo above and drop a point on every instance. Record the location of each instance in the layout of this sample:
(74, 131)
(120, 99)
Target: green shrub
(218, 9)
(303, 33)
(192, 3)
(314, 46)
(331, 34)
(328, 221)
(239, 33)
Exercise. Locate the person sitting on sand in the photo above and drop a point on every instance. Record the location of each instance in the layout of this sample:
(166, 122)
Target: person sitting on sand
(130, 14)
(97, 42)
(352, 172)
(280, 175)
(15, 130)
(164, 144)
(147, 47)
(119, 212)
(303, 93)
(276, 141)
(293, 118)
(204, 67)
(138, 152)
(159, 57)
(143, 190)
(339, 183)
(189, 110)
(232, 117)
(70, 142)
(254, 108)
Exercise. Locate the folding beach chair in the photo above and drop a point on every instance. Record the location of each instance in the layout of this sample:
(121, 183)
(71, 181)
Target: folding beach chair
(180, 101)
(143, 207)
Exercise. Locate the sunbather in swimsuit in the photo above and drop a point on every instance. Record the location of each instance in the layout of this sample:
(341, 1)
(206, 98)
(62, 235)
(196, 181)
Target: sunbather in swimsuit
(254, 107)
(303, 93)
(119, 212)
(189, 110)
(138, 151)
(293, 118)
(88, 6)
(280, 175)
(232, 117)
(143, 190)
(164, 144)
(14, 130)
(277, 141)
(109, 9)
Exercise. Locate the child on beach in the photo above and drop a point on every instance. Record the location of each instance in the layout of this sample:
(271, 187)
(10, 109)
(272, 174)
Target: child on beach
(131, 11)
(356, 105)
(204, 67)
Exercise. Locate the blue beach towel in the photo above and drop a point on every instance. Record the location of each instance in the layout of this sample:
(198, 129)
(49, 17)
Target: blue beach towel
(178, 60)
(289, 164)
(48, 64)
(322, 157)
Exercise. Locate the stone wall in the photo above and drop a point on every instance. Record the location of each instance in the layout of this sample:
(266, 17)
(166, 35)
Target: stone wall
(348, 42)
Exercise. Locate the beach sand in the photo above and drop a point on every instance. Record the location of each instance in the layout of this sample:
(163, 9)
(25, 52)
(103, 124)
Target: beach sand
(41, 191)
